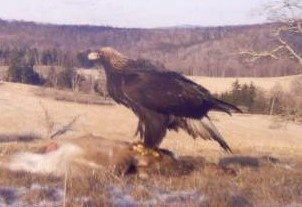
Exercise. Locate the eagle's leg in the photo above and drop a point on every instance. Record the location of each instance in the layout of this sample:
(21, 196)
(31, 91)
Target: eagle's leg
(152, 127)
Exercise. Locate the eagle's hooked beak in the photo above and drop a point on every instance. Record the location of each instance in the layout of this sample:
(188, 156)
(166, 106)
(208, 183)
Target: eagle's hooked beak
(93, 56)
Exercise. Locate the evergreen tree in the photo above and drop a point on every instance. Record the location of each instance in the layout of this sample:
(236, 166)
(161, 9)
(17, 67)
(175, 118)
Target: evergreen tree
(246, 96)
(20, 70)
(235, 93)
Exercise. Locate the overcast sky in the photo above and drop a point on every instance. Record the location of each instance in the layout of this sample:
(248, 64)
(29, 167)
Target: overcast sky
(134, 13)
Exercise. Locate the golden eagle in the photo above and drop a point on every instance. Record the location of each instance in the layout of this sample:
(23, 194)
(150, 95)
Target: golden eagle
(162, 100)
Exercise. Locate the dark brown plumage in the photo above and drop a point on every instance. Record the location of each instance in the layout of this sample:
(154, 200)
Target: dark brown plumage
(162, 100)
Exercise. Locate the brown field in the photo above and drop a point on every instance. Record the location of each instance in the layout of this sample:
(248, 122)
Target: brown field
(266, 164)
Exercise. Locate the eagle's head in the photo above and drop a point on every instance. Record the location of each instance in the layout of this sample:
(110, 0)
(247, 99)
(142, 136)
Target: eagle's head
(108, 56)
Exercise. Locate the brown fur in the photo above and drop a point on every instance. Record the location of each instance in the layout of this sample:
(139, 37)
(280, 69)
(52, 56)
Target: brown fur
(86, 153)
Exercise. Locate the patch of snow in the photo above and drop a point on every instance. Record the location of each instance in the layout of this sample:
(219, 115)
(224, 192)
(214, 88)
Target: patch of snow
(181, 196)
(12, 196)
(121, 197)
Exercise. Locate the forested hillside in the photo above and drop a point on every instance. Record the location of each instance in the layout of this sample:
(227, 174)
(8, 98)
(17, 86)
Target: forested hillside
(210, 51)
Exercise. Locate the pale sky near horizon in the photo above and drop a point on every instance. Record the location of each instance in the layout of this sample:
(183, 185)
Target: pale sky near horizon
(135, 13)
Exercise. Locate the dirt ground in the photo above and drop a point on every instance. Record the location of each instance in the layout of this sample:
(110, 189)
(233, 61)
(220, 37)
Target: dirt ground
(264, 170)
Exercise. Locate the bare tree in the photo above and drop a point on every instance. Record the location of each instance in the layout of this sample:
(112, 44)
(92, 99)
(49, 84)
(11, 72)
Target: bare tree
(288, 14)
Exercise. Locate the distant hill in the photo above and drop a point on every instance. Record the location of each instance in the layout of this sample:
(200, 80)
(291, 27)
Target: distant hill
(208, 51)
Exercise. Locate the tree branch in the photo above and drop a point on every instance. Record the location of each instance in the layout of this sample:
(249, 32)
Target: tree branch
(289, 48)
(254, 56)
(299, 27)
(65, 128)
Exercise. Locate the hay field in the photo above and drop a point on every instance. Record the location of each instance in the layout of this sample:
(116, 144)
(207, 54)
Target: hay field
(218, 85)
(255, 137)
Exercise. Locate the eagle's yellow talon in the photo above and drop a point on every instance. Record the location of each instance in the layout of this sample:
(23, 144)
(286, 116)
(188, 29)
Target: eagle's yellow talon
(141, 149)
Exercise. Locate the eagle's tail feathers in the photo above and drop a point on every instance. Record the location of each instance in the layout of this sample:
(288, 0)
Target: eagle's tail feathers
(225, 107)
(214, 133)
(203, 128)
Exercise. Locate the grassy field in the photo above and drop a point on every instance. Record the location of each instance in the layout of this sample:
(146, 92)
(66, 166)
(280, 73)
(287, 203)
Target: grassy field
(264, 170)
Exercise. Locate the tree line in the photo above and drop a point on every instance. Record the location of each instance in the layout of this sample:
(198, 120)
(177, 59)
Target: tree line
(21, 64)
(52, 56)
(252, 99)
(209, 51)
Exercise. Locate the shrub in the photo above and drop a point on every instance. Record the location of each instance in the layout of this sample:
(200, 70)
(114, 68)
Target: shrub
(24, 74)
(288, 105)
(65, 78)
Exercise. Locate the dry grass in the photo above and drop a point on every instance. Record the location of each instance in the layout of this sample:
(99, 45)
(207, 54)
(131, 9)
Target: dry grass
(265, 170)
(240, 179)
(269, 184)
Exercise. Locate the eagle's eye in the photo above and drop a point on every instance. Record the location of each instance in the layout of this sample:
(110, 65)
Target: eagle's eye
(101, 53)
